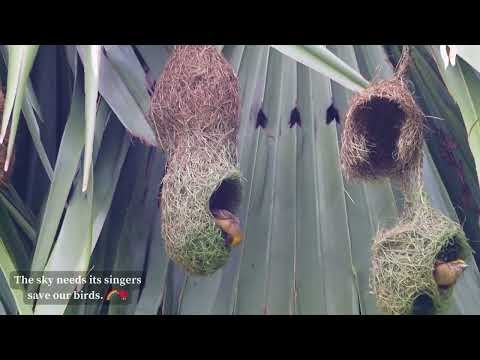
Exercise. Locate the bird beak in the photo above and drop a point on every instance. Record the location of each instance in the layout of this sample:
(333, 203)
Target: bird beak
(461, 263)
(237, 238)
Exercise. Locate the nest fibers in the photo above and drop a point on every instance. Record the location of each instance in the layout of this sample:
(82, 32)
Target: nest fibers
(383, 131)
(403, 260)
(202, 176)
(197, 92)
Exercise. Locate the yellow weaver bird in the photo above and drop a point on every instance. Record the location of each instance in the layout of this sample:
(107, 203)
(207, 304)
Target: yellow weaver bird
(230, 224)
(446, 274)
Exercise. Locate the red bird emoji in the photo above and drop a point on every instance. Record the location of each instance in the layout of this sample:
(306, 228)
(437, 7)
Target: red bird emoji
(123, 294)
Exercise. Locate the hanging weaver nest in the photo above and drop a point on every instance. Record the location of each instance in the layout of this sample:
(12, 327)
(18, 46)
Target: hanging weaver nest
(383, 131)
(197, 92)
(202, 176)
(403, 260)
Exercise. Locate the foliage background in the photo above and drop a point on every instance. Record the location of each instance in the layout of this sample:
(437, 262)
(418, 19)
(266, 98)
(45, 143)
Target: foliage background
(308, 232)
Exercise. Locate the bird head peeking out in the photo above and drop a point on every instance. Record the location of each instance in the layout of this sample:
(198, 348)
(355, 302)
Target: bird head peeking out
(230, 224)
(446, 274)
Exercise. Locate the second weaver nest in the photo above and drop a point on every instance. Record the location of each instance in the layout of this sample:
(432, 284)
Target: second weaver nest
(403, 259)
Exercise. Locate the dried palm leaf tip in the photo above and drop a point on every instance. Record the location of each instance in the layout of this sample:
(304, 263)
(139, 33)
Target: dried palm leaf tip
(197, 91)
(3, 156)
(383, 131)
(403, 260)
(4, 175)
(202, 176)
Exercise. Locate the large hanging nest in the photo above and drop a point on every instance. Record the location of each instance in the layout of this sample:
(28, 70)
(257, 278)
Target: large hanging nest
(202, 176)
(383, 131)
(195, 113)
(403, 261)
(197, 92)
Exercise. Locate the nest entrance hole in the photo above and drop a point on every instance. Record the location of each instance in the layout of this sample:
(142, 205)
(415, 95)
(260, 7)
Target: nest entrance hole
(451, 251)
(423, 305)
(382, 120)
(227, 196)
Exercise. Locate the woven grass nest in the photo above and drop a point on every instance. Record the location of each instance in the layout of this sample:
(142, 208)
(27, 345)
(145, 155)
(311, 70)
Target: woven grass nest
(403, 260)
(194, 111)
(202, 175)
(383, 130)
(197, 92)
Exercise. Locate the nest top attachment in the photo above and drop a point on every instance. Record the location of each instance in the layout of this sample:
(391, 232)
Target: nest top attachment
(403, 260)
(202, 177)
(197, 92)
(383, 131)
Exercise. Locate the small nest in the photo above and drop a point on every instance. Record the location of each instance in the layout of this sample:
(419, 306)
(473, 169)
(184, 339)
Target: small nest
(403, 261)
(197, 92)
(202, 175)
(383, 131)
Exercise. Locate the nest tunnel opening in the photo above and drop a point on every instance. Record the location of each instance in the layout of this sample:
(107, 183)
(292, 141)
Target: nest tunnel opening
(451, 251)
(423, 305)
(380, 121)
(227, 196)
